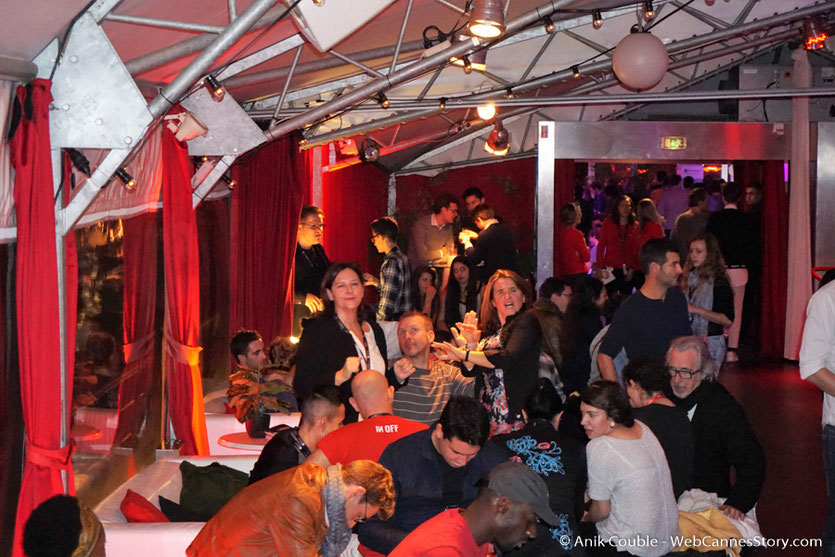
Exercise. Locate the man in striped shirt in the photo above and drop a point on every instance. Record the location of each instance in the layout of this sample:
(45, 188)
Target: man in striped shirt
(395, 277)
(433, 382)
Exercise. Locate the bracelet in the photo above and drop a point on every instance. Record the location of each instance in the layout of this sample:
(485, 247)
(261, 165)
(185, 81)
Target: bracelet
(467, 356)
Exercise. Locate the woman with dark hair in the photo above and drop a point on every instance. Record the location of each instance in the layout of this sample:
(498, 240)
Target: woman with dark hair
(341, 340)
(425, 297)
(585, 312)
(559, 460)
(463, 293)
(617, 253)
(572, 252)
(709, 295)
(647, 383)
(629, 481)
(506, 360)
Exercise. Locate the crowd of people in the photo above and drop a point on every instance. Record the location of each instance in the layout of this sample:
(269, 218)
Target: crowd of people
(464, 413)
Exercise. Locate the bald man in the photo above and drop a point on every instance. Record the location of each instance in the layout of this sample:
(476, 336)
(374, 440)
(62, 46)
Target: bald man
(372, 397)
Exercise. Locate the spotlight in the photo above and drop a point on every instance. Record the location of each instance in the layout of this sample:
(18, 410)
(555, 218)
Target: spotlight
(215, 88)
(476, 60)
(468, 66)
(509, 93)
(575, 69)
(549, 25)
(79, 161)
(487, 19)
(442, 103)
(229, 181)
(486, 111)
(498, 142)
(649, 11)
(127, 179)
(383, 100)
(597, 19)
(370, 150)
(319, 3)
(813, 34)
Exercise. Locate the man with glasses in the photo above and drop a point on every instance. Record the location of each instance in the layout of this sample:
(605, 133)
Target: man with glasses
(723, 437)
(311, 264)
(395, 280)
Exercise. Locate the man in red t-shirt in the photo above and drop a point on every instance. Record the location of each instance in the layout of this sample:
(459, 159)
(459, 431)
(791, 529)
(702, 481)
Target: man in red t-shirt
(365, 440)
(504, 514)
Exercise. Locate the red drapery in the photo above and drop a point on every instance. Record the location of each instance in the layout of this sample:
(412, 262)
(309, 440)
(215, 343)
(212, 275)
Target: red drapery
(37, 307)
(564, 181)
(213, 240)
(140, 270)
(775, 260)
(182, 309)
(265, 216)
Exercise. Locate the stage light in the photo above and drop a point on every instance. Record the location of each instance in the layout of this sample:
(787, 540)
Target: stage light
(229, 181)
(79, 161)
(370, 150)
(127, 179)
(548, 23)
(442, 103)
(486, 111)
(487, 19)
(575, 69)
(215, 88)
(509, 93)
(498, 142)
(597, 19)
(383, 100)
(649, 10)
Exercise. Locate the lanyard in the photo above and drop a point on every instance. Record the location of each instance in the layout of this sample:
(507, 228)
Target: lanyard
(656, 397)
(366, 357)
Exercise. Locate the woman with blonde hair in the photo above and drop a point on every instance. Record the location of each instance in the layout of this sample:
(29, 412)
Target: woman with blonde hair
(649, 222)
(506, 360)
(709, 295)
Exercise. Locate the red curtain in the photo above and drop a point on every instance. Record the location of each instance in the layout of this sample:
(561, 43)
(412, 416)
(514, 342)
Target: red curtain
(182, 309)
(265, 216)
(565, 177)
(37, 307)
(213, 240)
(139, 246)
(775, 260)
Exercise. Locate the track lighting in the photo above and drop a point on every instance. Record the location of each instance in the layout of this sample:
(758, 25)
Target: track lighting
(486, 111)
(575, 69)
(498, 142)
(597, 19)
(487, 19)
(649, 11)
(548, 23)
(215, 88)
(127, 179)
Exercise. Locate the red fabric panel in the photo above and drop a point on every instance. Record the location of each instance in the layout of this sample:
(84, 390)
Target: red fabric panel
(775, 260)
(265, 216)
(352, 197)
(564, 180)
(182, 310)
(37, 308)
(213, 240)
(139, 247)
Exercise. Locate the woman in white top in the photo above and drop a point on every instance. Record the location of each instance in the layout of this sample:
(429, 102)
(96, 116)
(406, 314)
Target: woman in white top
(631, 492)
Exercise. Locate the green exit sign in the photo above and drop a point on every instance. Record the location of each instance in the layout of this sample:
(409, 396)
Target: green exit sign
(674, 143)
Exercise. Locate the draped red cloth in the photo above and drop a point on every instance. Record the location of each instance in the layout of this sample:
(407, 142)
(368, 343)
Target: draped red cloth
(213, 240)
(775, 260)
(182, 309)
(564, 181)
(139, 245)
(37, 308)
(265, 215)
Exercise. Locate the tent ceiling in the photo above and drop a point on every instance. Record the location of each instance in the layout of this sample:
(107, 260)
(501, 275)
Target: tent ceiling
(412, 144)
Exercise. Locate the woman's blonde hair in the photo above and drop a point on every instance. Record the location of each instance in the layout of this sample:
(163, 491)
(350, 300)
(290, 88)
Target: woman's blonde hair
(377, 481)
(647, 212)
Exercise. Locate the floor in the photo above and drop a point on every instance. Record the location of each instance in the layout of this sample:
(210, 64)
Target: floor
(785, 412)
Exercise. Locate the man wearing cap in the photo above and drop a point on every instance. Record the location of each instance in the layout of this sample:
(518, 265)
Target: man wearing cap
(504, 514)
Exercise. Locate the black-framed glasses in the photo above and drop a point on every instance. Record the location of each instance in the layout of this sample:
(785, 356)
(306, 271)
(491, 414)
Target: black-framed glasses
(682, 372)
(365, 515)
(374, 237)
(320, 226)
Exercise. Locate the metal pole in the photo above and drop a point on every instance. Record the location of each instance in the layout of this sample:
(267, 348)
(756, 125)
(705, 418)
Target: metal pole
(209, 182)
(165, 23)
(400, 38)
(363, 67)
(286, 84)
(157, 107)
(62, 309)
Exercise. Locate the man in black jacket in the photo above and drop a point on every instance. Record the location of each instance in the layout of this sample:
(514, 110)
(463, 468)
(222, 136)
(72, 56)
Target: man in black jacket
(491, 249)
(723, 437)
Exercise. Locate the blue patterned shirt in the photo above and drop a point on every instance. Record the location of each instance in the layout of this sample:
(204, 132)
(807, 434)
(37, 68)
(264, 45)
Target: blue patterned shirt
(395, 286)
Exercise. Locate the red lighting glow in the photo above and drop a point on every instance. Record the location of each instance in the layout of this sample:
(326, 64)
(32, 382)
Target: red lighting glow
(712, 168)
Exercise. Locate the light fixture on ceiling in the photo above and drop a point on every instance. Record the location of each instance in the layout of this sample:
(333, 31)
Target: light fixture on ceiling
(229, 181)
(370, 151)
(575, 69)
(215, 88)
(185, 126)
(548, 23)
(487, 19)
(597, 19)
(486, 111)
(383, 100)
(79, 161)
(509, 93)
(442, 103)
(649, 10)
(498, 142)
(476, 60)
(814, 36)
(319, 3)
(127, 179)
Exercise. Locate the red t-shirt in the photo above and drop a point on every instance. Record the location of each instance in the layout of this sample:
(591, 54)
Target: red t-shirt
(366, 440)
(445, 535)
(572, 252)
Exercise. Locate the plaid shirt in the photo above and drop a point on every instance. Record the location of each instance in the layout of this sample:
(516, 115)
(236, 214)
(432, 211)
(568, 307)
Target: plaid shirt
(395, 286)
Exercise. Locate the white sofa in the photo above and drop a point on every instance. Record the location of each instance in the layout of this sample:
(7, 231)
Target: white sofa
(162, 539)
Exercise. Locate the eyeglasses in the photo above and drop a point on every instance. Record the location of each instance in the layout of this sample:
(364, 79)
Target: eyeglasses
(365, 514)
(374, 237)
(682, 372)
(313, 226)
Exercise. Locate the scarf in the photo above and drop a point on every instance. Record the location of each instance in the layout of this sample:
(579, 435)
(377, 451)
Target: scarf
(699, 294)
(339, 534)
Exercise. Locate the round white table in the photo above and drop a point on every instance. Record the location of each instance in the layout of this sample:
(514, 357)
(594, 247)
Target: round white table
(242, 441)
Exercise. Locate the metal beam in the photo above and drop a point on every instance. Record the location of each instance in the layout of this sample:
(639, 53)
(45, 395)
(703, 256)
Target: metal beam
(210, 181)
(165, 23)
(538, 55)
(159, 105)
(247, 62)
(451, 6)
(589, 43)
(400, 38)
(360, 65)
(286, 85)
(707, 19)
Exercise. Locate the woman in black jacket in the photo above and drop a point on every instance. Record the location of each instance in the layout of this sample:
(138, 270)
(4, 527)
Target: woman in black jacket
(341, 340)
(507, 359)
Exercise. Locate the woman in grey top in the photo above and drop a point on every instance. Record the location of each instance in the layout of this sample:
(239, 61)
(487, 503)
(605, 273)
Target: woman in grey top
(630, 488)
